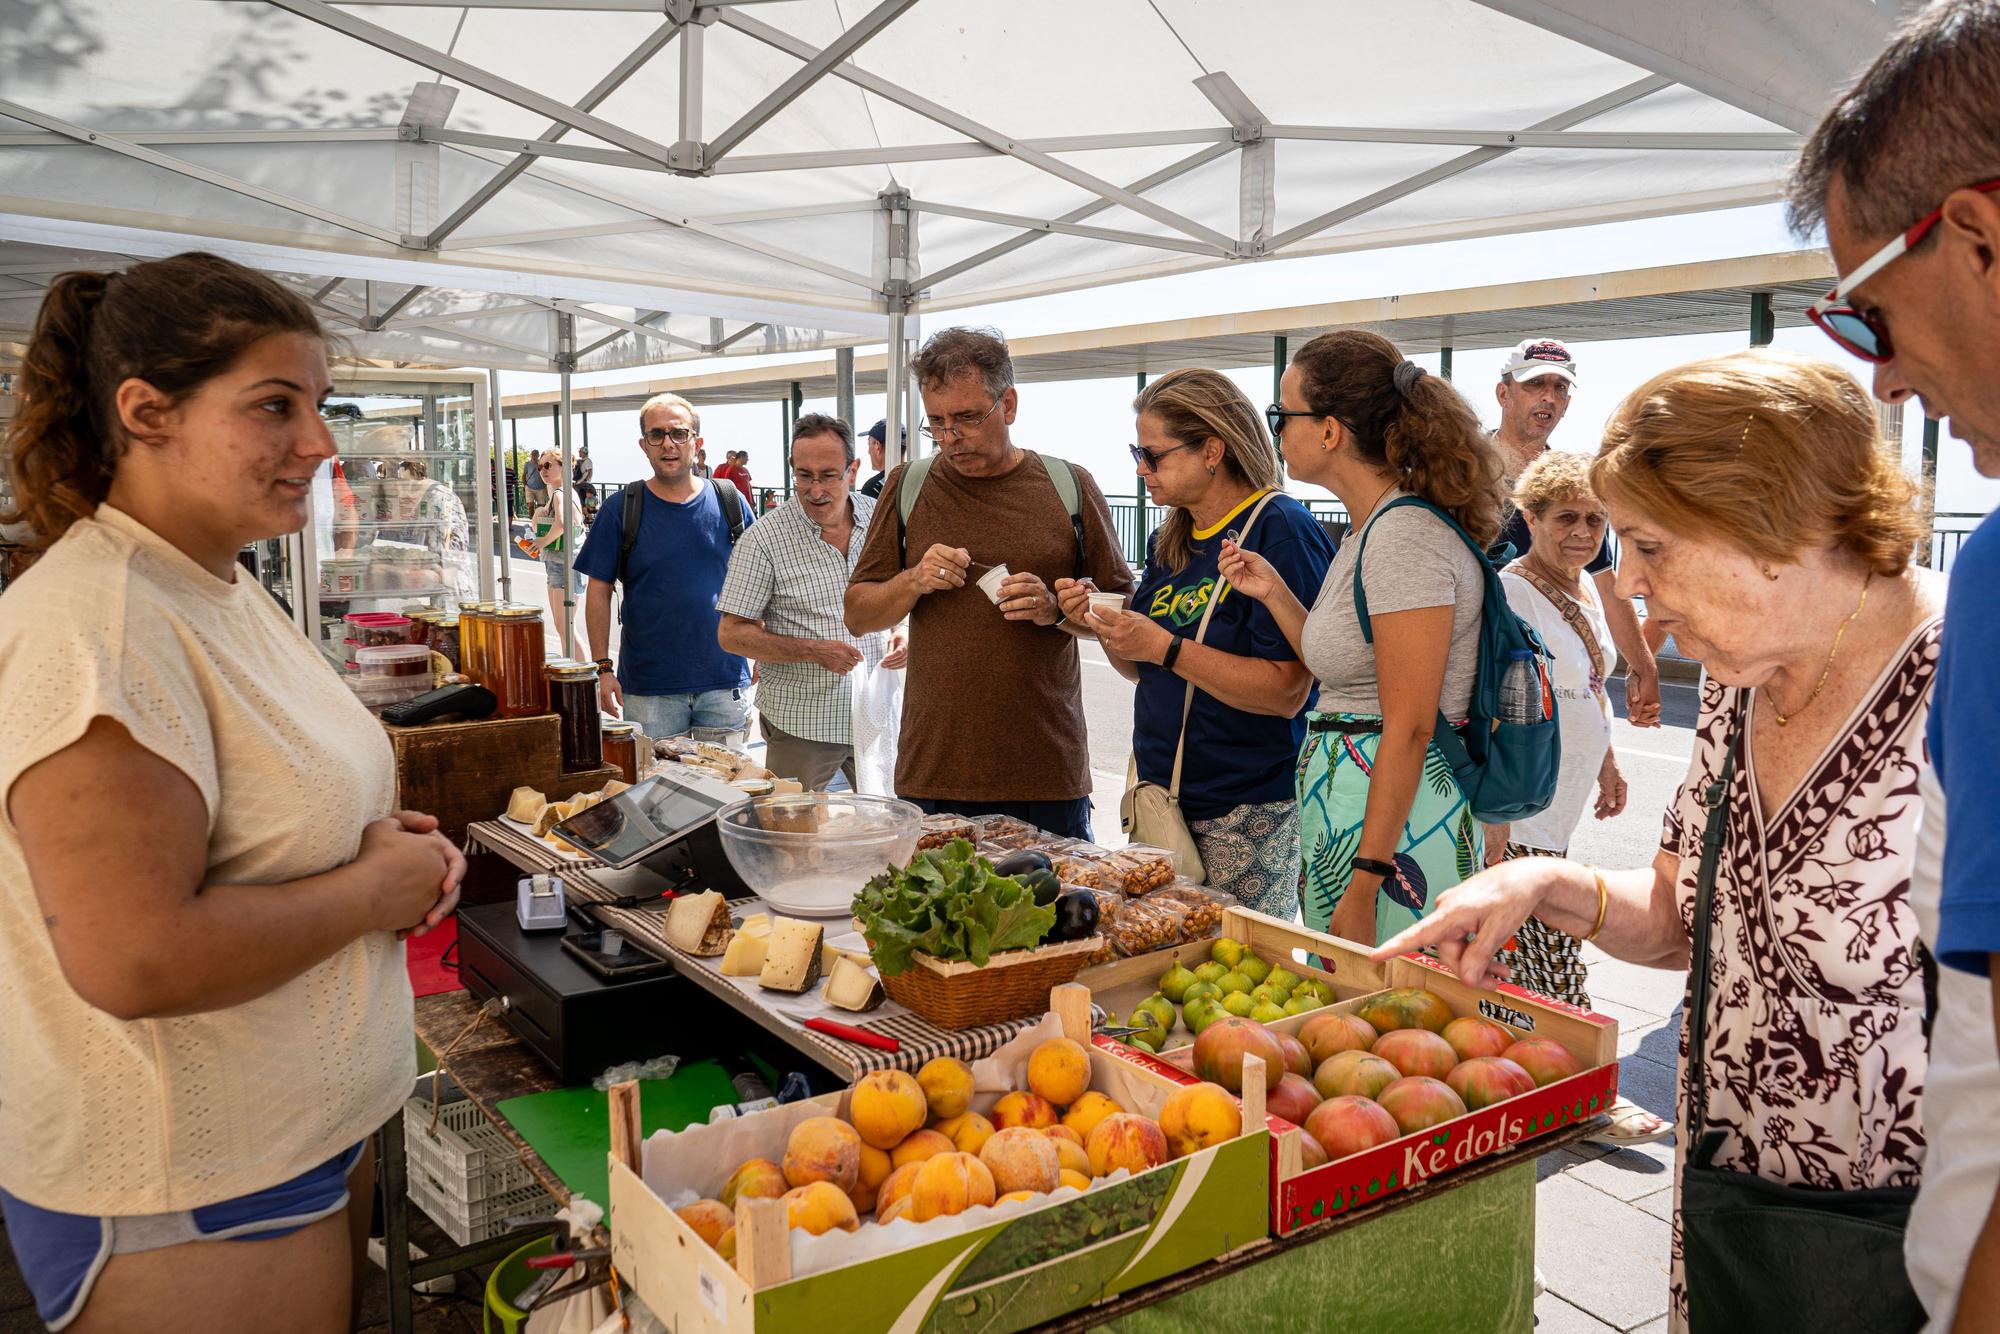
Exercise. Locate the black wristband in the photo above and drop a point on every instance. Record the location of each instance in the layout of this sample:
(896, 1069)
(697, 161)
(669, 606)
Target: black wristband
(602, 664)
(1173, 652)
(1387, 870)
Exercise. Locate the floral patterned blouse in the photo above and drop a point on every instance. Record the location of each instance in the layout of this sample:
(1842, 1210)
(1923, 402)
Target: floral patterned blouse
(1816, 1052)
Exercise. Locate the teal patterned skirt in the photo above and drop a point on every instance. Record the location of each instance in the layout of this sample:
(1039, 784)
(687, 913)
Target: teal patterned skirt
(1441, 843)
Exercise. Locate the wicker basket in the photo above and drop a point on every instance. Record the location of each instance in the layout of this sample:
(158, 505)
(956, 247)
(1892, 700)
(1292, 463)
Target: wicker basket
(1012, 985)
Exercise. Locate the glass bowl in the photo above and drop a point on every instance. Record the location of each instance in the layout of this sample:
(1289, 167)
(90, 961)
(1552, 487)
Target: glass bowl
(809, 852)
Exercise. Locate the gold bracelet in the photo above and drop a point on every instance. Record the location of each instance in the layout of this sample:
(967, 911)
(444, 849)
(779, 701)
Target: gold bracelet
(1603, 902)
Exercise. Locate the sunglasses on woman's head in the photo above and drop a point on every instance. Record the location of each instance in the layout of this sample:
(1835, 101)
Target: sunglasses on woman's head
(1864, 332)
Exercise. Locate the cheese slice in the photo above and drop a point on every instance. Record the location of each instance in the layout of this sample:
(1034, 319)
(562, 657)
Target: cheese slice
(699, 924)
(613, 787)
(526, 805)
(746, 953)
(852, 987)
(829, 956)
(552, 814)
(793, 961)
(756, 924)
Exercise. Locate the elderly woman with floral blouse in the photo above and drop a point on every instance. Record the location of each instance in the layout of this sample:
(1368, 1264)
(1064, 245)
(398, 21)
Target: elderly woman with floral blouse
(1769, 529)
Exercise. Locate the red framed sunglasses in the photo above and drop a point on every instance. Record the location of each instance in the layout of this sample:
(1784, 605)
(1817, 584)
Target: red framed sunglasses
(1863, 332)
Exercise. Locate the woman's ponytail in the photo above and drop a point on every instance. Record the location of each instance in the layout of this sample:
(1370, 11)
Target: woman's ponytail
(1411, 423)
(59, 459)
(175, 323)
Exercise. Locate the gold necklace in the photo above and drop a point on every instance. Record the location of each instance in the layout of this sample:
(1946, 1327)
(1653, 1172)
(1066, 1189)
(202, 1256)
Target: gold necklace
(1825, 672)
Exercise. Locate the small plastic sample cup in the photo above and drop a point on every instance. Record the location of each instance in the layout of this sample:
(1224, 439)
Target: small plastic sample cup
(1107, 604)
(989, 583)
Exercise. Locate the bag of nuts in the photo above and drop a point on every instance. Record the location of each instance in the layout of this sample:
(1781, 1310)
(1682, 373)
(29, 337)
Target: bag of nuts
(1137, 869)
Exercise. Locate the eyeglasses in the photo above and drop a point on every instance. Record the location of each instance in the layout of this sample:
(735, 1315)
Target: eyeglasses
(680, 435)
(1149, 459)
(961, 425)
(1275, 416)
(1864, 332)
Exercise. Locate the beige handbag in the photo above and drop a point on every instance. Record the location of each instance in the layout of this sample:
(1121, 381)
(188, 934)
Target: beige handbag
(1151, 814)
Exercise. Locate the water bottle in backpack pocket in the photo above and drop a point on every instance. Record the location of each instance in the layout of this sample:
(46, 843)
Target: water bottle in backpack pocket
(1506, 757)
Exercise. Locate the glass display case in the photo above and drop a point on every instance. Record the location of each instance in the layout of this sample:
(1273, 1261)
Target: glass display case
(402, 516)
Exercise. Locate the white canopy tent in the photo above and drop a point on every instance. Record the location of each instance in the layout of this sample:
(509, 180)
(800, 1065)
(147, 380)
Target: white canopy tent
(585, 183)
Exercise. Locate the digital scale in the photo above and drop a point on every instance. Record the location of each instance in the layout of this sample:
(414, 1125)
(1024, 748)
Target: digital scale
(663, 833)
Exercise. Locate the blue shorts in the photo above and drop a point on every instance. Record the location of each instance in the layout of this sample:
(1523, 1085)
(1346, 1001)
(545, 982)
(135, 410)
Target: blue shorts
(61, 1255)
(552, 562)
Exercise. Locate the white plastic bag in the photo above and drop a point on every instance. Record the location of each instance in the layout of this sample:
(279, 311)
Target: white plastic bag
(877, 702)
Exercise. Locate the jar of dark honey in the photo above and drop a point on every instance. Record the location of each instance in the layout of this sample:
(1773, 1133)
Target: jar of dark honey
(573, 696)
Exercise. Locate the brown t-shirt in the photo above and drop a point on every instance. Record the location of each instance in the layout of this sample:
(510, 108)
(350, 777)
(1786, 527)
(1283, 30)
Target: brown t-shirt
(993, 708)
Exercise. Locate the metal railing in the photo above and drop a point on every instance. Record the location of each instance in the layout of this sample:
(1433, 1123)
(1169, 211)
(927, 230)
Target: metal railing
(1948, 534)
(1134, 522)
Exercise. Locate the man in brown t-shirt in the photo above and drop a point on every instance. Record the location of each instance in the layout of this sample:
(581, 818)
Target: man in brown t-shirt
(993, 696)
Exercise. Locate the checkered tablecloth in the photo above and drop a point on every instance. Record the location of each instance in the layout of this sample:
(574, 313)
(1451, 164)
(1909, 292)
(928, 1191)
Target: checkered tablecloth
(919, 1040)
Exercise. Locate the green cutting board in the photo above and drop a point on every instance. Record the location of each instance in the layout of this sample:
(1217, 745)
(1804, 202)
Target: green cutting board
(571, 1128)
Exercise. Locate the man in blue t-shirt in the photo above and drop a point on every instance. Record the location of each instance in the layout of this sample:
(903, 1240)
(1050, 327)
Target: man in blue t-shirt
(1904, 173)
(672, 676)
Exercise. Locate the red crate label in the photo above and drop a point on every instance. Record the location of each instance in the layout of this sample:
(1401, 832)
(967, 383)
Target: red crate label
(1326, 1192)
(1142, 1058)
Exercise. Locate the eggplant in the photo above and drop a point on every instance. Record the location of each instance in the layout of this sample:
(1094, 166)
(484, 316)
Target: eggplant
(1020, 863)
(1042, 884)
(1076, 916)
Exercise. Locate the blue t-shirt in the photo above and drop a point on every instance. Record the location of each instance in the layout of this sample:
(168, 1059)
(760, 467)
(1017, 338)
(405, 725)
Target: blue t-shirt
(1964, 734)
(1233, 758)
(672, 578)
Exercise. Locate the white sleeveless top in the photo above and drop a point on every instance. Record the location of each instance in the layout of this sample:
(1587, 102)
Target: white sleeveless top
(105, 1116)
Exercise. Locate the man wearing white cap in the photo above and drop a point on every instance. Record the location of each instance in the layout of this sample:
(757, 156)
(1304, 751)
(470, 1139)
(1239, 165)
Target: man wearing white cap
(1534, 394)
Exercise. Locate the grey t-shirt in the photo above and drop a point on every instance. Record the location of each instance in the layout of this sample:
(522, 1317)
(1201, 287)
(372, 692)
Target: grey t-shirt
(1414, 561)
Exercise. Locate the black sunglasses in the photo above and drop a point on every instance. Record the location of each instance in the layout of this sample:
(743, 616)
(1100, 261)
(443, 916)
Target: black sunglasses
(1149, 459)
(1274, 416)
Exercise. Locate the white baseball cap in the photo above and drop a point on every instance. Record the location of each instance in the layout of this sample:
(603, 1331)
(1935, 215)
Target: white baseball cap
(1532, 358)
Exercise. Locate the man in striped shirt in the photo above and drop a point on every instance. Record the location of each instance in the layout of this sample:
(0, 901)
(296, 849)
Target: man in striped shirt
(782, 604)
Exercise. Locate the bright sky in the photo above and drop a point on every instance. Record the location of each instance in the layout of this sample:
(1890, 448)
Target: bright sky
(1090, 422)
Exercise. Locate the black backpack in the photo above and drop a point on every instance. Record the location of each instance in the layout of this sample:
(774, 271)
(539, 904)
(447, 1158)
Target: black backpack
(633, 509)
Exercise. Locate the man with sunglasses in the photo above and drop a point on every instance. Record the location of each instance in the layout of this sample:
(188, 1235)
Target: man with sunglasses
(1904, 175)
(1534, 393)
(993, 695)
(672, 677)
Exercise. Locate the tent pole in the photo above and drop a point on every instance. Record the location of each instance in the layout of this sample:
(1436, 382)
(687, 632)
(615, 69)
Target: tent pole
(505, 510)
(798, 407)
(566, 363)
(843, 385)
(785, 446)
(1444, 363)
(892, 437)
(1928, 480)
(1762, 326)
(1279, 357)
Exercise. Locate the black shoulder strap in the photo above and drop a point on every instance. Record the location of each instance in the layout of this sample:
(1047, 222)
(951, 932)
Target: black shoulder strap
(1716, 799)
(632, 510)
(731, 500)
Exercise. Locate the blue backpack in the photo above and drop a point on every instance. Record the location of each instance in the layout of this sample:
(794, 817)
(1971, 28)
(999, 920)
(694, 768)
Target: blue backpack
(1506, 770)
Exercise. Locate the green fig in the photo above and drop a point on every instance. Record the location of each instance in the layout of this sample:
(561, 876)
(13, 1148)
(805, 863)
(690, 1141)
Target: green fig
(1228, 952)
(1254, 968)
(1209, 1014)
(1239, 1004)
(1266, 1012)
(1321, 989)
(1200, 991)
(1268, 994)
(1160, 1008)
(1301, 1001)
(1234, 981)
(1175, 982)
(1282, 976)
(1144, 1040)
(1211, 971)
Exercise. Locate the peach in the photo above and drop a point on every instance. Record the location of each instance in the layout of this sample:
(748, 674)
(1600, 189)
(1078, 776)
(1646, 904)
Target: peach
(709, 1219)
(1485, 1080)
(1198, 1116)
(947, 1086)
(758, 1179)
(1064, 1132)
(1475, 1036)
(890, 1213)
(920, 1145)
(864, 1198)
(1418, 1103)
(1022, 1159)
(1059, 1071)
(1416, 1051)
(819, 1208)
(823, 1148)
(726, 1248)
(1013, 1196)
(1023, 1109)
(1134, 1143)
(1071, 1177)
(1344, 1125)
(1327, 1035)
(1359, 1073)
(875, 1167)
(968, 1131)
(895, 1189)
(1084, 1114)
(950, 1184)
(1545, 1060)
(1072, 1157)
(886, 1106)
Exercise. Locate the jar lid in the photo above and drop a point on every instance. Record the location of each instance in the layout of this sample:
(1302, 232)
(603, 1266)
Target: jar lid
(444, 619)
(571, 671)
(621, 729)
(392, 653)
(478, 608)
(514, 613)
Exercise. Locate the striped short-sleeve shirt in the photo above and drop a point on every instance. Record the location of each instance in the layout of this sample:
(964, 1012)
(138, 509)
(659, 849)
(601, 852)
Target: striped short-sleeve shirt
(786, 575)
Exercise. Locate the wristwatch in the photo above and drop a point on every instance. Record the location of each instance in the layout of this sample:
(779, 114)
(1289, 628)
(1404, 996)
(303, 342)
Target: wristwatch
(602, 664)
(1374, 866)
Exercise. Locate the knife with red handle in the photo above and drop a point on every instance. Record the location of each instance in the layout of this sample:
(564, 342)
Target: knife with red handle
(848, 1033)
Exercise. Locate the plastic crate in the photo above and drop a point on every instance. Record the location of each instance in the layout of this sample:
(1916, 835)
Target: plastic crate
(465, 1157)
(480, 1220)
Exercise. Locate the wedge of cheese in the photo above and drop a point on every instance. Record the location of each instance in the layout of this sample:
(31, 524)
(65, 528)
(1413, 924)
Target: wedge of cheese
(746, 953)
(526, 805)
(612, 788)
(829, 956)
(699, 924)
(756, 924)
(792, 962)
(851, 986)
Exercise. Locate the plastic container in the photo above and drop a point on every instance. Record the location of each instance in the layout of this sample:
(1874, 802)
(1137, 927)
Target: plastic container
(573, 696)
(343, 575)
(393, 660)
(1137, 869)
(1204, 907)
(1004, 831)
(808, 852)
(938, 830)
(514, 662)
(1144, 926)
(375, 629)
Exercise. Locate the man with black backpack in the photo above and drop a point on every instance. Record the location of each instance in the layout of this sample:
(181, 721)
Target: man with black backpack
(667, 540)
(968, 544)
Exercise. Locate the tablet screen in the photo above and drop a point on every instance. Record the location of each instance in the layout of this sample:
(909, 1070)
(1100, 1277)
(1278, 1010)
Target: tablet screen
(638, 820)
